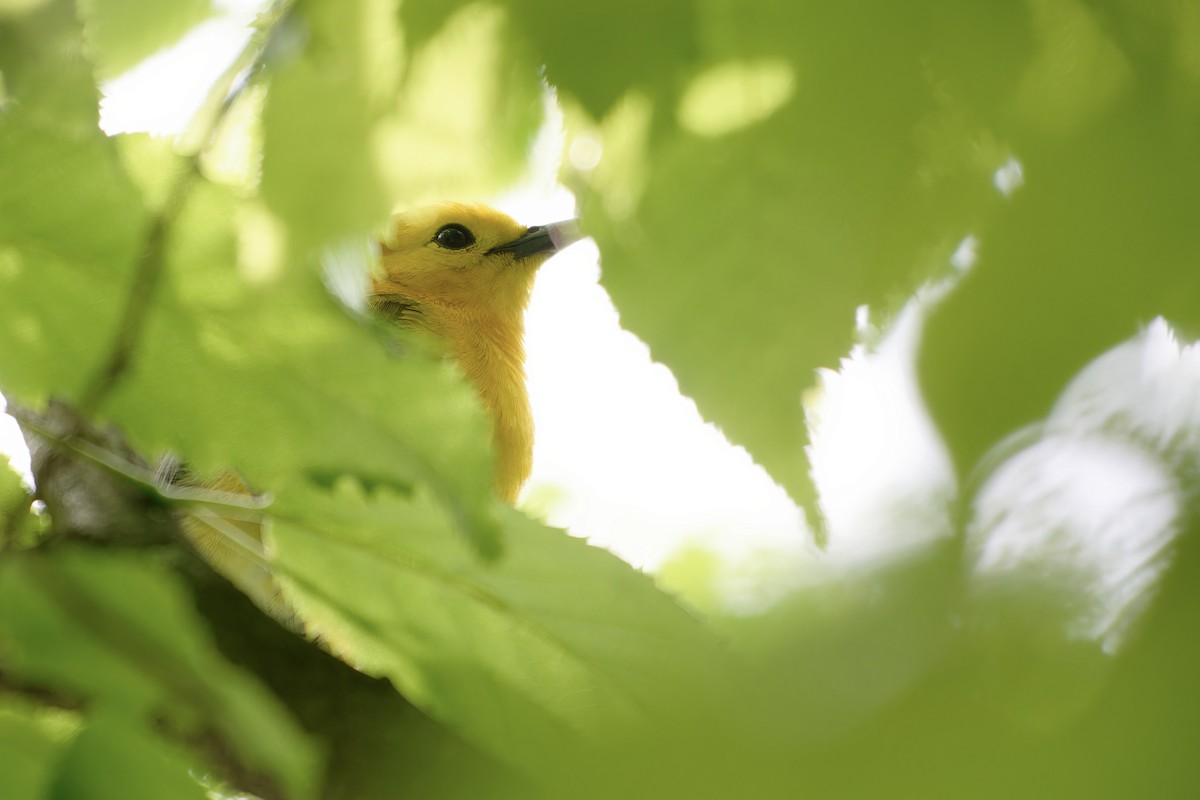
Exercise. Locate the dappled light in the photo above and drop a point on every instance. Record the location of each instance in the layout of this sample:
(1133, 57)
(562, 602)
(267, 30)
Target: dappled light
(1009, 177)
(1078, 69)
(732, 96)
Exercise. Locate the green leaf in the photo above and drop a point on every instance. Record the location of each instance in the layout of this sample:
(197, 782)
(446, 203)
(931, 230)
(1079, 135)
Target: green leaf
(19, 526)
(553, 649)
(120, 33)
(468, 108)
(70, 224)
(64, 192)
(1098, 243)
(31, 743)
(120, 632)
(70, 220)
(319, 171)
(795, 181)
(113, 760)
(47, 80)
(639, 45)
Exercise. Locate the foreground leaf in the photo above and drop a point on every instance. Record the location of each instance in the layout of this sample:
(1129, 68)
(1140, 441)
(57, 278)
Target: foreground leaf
(123, 32)
(118, 631)
(31, 744)
(812, 165)
(554, 649)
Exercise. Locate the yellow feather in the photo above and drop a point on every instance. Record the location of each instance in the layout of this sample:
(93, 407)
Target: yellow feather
(473, 298)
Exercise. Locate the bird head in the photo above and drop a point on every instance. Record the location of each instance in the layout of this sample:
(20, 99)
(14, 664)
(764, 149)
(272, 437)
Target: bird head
(464, 274)
(462, 260)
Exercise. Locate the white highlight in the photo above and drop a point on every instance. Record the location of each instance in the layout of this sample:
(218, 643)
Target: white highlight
(966, 254)
(1148, 387)
(1083, 518)
(634, 466)
(1090, 509)
(1009, 177)
(884, 476)
(13, 447)
(161, 94)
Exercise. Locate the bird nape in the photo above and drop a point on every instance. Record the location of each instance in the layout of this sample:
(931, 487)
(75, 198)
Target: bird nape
(464, 274)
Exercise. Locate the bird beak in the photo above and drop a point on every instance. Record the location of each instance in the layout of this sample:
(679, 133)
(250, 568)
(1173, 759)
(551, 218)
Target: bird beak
(542, 239)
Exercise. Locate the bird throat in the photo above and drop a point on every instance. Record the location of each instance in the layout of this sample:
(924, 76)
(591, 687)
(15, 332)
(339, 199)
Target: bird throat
(490, 350)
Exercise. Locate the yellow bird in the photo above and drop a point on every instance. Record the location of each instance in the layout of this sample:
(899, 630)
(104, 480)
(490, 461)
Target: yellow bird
(464, 273)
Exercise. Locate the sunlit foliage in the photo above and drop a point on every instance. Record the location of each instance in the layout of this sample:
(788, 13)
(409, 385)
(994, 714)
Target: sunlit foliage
(1008, 190)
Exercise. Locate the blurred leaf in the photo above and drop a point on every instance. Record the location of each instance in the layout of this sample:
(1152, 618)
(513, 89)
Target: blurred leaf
(31, 744)
(55, 352)
(320, 175)
(837, 653)
(113, 760)
(119, 632)
(1097, 243)
(554, 649)
(68, 214)
(19, 526)
(467, 111)
(817, 181)
(64, 192)
(47, 80)
(1077, 71)
(11, 488)
(423, 19)
(151, 164)
(1136, 739)
(121, 33)
(643, 45)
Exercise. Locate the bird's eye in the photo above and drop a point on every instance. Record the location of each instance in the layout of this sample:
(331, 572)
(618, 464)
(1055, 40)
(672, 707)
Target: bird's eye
(453, 237)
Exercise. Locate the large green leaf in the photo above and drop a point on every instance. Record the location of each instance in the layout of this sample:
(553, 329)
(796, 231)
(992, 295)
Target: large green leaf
(638, 44)
(333, 69)
(815, 164)
(64, 192)
(554, 649)
(1099, 241)
(113, 760)
(146, 653)
(46, 77)
(123, 32)
(71, 222)
(468, 107)
(31, 743)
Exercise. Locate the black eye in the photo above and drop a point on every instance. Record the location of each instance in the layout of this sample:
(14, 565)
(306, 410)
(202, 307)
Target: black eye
(453, 237)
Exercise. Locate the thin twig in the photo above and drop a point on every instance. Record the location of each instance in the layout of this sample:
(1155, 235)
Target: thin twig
(146, 479)
(139, 301)
(153, 259)
(152, 262)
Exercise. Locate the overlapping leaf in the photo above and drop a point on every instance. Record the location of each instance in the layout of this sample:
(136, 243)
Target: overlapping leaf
(791, 182)
(122, 32)
(555, 648)
(147, 654)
